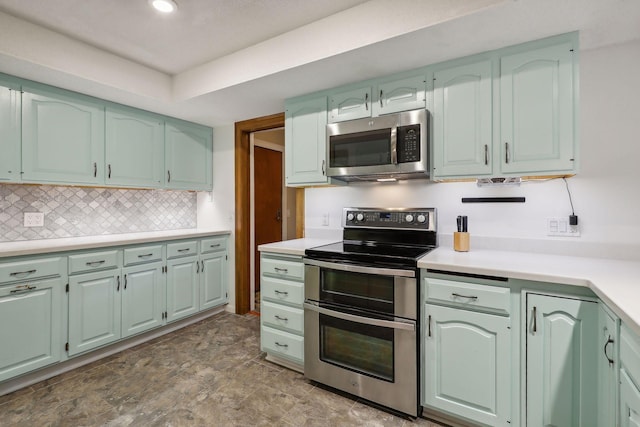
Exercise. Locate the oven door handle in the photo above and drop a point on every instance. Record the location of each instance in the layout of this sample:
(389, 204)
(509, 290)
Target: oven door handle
(408, 325)
(360, 269)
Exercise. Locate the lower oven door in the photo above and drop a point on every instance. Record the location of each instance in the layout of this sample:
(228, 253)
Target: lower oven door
(372, 357)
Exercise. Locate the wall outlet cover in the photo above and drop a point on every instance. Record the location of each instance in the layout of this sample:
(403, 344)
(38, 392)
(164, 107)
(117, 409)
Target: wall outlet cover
(34, 219)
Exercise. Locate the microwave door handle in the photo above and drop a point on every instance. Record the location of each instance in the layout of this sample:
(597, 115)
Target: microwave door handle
(408, 326)
(394, 145)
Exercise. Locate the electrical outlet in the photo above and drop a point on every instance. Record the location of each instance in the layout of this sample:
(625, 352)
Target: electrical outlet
(325, 219)
(34, 219)
(560, 226)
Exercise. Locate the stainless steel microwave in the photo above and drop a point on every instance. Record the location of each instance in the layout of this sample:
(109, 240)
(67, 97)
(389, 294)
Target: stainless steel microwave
(389, 147)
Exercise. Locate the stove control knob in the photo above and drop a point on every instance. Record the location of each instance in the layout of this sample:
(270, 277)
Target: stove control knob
(360, 217)
(350, 216)
(408, 218)
(421, 218)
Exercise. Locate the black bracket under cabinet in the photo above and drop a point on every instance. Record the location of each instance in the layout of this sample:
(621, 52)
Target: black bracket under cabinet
(493, 200)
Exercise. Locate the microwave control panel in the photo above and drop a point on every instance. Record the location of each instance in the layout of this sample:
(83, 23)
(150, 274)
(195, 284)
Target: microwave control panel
(408, 143)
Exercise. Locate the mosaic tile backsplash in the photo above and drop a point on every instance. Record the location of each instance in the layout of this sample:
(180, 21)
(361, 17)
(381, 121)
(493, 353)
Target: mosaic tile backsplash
(80, 211)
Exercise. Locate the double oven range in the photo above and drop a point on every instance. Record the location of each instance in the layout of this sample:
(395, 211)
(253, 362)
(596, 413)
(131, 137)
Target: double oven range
(361, 309)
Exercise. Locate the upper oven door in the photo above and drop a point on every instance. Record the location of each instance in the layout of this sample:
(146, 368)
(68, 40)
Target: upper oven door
(382, 290)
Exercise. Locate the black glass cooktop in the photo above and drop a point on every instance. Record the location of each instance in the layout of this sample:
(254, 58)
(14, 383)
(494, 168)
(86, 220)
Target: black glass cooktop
(370, 253)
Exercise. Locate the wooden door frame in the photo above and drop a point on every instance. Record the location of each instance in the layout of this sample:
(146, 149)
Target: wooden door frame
(243, 131)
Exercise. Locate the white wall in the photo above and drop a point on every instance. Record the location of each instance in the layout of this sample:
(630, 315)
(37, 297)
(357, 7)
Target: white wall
(605, 193)
(217, 209)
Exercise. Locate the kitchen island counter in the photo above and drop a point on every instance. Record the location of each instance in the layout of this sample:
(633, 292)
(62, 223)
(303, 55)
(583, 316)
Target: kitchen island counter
(293, 247)
(34, 247)
(615, 282)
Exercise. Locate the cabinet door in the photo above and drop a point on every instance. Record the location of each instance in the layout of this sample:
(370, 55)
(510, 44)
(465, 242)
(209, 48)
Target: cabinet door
(94, 310)
(134, 149)
(629, 402)
(607, 367)
(400, 95)
(30, 326)
(188, 156)
(213, 289)
(143, 294)
(305, 142)
(462, 117)
(350, 104)
(562, 345)
(537, 110)
(62, 139)
(468, 364)
(182, 287)
(10, 119)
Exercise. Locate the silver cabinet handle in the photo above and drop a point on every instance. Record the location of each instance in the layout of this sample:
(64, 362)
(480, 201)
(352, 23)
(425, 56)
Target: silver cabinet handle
(366, 101)
(184, 250)
(215, 246)
(22, 288)
(284, 319)
(95, 169)
(609, 341)
(202, 268)
(144, 255)
(381, 105)
(486, 154)
(398, 324)
(281, 292)
(506, 152)
(197, 267)
(281, 270)
(20, 273)
(535, 326)
(118, 286)
(471, 297)
(168, 176)
(429, 324)
(94, 263)
(281, 345)
(125, 281)
(109, 170)
(323, 171)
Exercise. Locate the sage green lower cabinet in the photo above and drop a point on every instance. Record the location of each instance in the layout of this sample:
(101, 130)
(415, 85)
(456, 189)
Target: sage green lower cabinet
(10, 131)
(182, 287)
(213, 272)
(561, 353)
(94, 310)
(30, 326)
(143, 298)
(608, 366)
(629, 378)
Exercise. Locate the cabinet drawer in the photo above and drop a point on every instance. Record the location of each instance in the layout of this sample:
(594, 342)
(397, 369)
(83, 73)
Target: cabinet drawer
(277, 290)
(213, 244)
(468, 295)
(630, 353)
(293, 270)
(179, 249)
(30, 269)
(142, 254)
(279, 316)
(282, 344)
(91, 261)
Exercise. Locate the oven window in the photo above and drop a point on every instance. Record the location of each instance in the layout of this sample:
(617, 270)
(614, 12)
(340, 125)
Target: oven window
(369, 148)
(358, 347)
(368, 291)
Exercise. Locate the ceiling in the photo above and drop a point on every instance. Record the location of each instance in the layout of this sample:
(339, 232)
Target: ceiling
(221, 61)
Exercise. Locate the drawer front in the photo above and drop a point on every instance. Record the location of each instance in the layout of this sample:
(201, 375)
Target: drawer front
(30, 269)
(283, 317)
(91, 261)
(175, 250)
(282, 344)
(468, 295)
(142, 254)
(292, 270)
(282, 291)
(213, 244)
(630, 353)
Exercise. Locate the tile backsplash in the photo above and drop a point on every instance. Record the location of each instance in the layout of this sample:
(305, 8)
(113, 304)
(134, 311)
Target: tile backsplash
(83, 211)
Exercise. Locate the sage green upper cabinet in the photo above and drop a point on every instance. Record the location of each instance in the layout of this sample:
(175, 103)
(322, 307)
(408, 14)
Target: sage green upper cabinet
(305, 142)
(10, 119)
(537, 110)
(134, 149)
(561, 350)
(188, 156)
(62, 138)
(350, 104)
(400, 95)
(462, 115)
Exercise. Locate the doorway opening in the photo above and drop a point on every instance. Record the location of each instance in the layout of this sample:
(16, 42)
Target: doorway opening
(272, 202)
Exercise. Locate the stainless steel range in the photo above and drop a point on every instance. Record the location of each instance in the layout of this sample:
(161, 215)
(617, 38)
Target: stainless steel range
(361, 306)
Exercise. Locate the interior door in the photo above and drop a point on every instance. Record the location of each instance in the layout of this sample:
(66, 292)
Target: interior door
(267, 200)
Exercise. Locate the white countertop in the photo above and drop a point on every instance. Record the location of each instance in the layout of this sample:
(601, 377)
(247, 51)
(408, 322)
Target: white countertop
(33, 247)
(615, 282)
(293, 247)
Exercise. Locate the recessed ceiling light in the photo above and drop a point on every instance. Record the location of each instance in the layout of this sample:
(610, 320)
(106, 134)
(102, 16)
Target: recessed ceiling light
(164, 6)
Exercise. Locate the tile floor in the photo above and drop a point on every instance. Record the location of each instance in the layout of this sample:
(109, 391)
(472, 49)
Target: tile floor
(208, 374)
